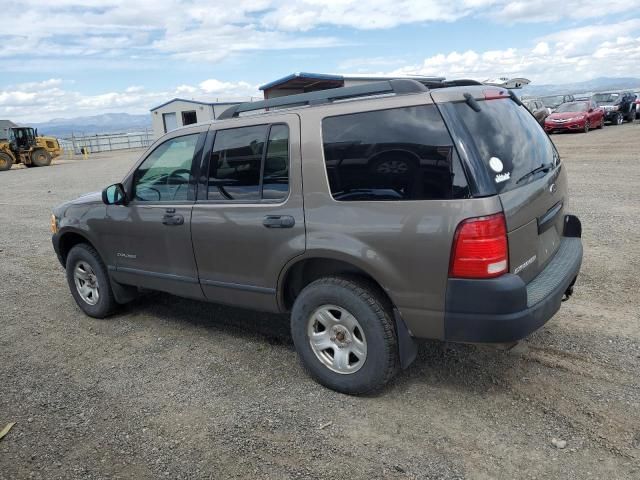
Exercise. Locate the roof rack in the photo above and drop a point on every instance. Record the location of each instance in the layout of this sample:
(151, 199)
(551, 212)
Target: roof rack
(397, 86)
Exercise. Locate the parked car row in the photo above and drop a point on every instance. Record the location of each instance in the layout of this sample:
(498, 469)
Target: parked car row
(583, 112)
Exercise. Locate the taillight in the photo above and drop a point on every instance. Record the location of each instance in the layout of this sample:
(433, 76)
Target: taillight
(480, 248)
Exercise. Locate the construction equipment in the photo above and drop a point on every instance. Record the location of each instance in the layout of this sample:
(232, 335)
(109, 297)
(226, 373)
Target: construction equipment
(25, 146)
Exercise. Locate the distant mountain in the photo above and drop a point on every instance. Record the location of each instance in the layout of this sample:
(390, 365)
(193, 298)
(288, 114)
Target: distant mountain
(589, 86)
(105, 123)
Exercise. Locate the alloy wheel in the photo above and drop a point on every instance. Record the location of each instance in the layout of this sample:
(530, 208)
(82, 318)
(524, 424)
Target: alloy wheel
(337, 339)
(86, 283)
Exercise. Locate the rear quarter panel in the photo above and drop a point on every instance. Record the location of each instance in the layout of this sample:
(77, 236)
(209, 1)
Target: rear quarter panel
(404, 245)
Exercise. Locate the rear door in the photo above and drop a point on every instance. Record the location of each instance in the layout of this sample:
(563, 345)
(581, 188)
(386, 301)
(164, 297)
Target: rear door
(248, 221)
(510, 145)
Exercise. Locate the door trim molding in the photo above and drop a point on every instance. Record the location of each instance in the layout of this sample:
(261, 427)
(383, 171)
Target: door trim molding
(239, 286)
(182, 278)
(164, 276)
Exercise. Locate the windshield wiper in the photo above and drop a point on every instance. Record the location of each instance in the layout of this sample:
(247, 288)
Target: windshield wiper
(542, 168)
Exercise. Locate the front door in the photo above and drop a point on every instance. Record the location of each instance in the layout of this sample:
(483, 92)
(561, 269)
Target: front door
(248, 221)
(153, 231)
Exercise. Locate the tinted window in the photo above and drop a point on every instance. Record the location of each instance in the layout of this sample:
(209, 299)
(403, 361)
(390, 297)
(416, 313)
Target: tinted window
(398, 154)
(234, 170)
(275, 183)
(164, 175)
(508, 140)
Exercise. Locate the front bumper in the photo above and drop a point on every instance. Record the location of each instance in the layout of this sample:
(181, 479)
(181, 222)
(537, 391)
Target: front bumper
(609, 115)
(564, 127)
(505, 309)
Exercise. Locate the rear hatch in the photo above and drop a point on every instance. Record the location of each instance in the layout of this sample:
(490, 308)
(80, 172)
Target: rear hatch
(511, 156)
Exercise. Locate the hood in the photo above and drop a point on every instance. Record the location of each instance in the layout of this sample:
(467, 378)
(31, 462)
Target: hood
(86, 199)
(565, 115)
(92, 197)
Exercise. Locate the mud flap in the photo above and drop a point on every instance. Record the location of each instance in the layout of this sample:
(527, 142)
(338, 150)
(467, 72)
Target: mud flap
(407, 345)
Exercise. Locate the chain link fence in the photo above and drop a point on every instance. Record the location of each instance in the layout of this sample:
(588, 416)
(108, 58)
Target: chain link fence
(106, 142)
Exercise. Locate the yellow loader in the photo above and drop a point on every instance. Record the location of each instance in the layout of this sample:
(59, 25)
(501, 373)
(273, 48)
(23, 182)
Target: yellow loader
(24, 146)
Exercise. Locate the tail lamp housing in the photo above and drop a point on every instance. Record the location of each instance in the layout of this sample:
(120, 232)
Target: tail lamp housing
(480, 248)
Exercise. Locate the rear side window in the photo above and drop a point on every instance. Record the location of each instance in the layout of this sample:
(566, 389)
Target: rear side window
(508, 140)
(397, 154)
(250, 163)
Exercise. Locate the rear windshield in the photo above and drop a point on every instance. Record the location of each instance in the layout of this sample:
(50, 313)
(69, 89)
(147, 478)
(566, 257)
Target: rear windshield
(508, 139)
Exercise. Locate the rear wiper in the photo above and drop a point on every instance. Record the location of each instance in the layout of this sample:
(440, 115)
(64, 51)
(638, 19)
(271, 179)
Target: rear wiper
(542, 168)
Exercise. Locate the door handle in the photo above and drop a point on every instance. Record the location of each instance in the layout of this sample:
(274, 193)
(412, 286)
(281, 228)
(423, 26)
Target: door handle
(176, 219)
(279, 221)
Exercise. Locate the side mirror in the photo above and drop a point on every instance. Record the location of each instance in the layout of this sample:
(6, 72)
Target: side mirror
(590, 110)
(114, 195)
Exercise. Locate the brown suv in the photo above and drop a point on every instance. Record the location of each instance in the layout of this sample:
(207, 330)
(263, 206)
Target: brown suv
(376, 215)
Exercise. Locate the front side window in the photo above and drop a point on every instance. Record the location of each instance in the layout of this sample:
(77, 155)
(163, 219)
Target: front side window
(165, 174)
(250, 164)
(397, 154)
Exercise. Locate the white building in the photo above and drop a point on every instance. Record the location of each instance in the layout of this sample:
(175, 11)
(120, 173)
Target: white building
(179, 112)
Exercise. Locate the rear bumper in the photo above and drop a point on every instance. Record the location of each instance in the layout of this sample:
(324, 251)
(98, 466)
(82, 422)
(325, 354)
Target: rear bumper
(505, 309)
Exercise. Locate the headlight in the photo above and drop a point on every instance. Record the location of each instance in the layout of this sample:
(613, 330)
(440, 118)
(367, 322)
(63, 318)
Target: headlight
(54, 224)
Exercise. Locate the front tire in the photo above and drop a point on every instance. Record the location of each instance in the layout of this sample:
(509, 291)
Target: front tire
(89, 282)
(5, 162)
(617, 120)
(40, 158)
(344, 334)
(586, 127)
(601, 125)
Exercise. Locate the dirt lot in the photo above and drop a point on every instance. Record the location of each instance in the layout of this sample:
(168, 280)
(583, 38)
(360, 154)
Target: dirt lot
(172, 388)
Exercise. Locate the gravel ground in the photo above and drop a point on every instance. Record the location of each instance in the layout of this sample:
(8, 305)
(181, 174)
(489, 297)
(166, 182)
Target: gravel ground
(173, 388)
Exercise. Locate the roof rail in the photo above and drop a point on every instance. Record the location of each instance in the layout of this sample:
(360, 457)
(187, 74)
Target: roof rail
(397, 86)
(463, 82)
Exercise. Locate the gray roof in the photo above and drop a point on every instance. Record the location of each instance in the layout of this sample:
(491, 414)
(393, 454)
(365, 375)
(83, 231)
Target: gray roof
(191, 101)
(4, 126)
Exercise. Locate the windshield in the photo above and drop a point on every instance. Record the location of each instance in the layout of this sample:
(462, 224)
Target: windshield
(552, 101)
(508, 139)
(606, 97)
(573, 107)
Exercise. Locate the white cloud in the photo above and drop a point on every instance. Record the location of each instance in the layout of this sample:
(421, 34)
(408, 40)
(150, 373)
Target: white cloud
(581, 53)
(210, 31)
(41, 101)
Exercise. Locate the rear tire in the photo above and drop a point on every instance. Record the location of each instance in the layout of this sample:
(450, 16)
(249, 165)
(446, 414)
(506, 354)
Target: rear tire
(5, 162)
(40, 158)
(355, 350)
(89, 281)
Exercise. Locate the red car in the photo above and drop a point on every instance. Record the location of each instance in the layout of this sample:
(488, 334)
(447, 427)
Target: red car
(575, 116)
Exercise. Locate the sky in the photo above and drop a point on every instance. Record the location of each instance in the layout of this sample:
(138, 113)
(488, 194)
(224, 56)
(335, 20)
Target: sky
(71, 58)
